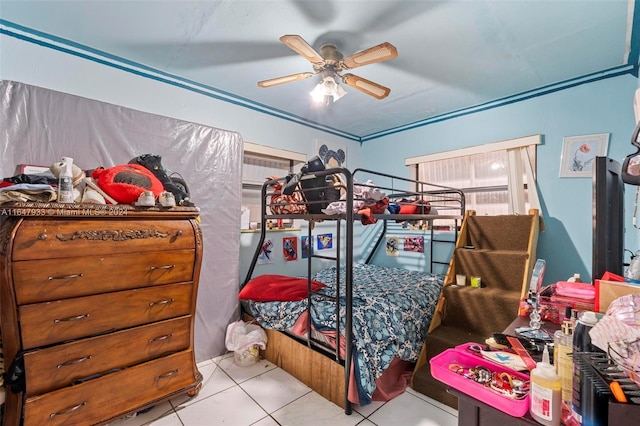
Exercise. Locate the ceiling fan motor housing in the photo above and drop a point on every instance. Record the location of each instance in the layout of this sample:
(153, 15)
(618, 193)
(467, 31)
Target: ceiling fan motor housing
(330, 53)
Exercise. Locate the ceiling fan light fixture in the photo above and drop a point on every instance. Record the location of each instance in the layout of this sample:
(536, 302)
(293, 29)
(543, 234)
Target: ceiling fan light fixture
(327, 89)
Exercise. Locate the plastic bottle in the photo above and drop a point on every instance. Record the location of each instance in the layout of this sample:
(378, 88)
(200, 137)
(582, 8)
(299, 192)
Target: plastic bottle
(581, 343)
(581, 338)
(546, 393)
(632, 274)
(65, 181)
(562, 360)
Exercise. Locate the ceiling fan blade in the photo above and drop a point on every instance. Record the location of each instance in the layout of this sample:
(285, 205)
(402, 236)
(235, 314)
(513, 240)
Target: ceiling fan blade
(285, 79)
(302, 48)
(379, 53)
(366, 86)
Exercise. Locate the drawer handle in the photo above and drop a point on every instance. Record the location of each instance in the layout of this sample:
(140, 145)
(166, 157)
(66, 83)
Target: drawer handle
(66, 277)
(175, 237)
(42, 236)
(76, 318)
(163, 267)
(162, 302)
(74, 361)
(68, 410)
(166, 375)
(158, 339)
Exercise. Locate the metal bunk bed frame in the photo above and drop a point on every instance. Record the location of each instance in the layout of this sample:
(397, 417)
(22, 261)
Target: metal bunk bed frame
(445, 194)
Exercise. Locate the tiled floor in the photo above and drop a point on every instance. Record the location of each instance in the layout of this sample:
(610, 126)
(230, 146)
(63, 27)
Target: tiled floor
(264, 395)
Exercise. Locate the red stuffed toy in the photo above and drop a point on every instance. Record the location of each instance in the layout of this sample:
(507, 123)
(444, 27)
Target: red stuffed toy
(126, 182)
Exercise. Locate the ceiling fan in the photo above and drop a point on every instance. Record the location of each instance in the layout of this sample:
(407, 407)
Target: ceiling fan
(329, 63)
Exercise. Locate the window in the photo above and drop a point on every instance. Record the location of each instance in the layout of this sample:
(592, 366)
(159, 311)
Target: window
(497, 178)
(260, 162)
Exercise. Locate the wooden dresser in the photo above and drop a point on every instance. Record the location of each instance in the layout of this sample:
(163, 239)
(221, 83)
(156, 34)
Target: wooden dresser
(98, 304)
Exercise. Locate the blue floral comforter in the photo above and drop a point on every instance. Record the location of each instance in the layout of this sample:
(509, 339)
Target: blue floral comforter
(392, 310)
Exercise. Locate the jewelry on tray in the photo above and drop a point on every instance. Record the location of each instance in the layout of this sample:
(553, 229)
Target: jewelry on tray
(502, 383)
(456, 368)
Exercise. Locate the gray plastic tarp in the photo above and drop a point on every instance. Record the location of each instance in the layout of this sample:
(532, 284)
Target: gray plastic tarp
(39, 126)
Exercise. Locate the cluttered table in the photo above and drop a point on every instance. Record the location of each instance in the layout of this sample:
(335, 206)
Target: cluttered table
(475, 412)
(472, 411)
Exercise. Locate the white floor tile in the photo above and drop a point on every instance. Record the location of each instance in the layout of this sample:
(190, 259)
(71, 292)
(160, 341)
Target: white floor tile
(204, 363)
(241, 374)
(256, 391)
(230, 407)
(314, 410)
(225, 355)
(432, 401)
(267, 421)
(169, 420)
(274, 389)
(160, 415)
(409, 410)
(214, 380)
(368, 409)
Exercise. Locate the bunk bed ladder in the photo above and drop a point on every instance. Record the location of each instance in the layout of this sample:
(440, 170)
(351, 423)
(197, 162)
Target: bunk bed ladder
(336, 258)
(442, 242)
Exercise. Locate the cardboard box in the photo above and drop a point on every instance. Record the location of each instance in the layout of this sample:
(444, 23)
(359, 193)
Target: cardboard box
(608, 291)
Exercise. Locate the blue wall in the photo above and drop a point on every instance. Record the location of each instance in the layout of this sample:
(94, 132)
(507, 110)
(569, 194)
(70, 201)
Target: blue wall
(599, 107)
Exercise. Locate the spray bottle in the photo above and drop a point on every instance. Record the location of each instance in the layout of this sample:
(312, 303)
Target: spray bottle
(65, 181)
(546, 393)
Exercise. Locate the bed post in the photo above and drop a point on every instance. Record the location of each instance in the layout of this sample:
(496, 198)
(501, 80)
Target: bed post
(349, 292)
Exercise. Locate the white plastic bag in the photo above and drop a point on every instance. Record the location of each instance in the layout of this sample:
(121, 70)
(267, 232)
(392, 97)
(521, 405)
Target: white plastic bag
(244, 339)
(241, 335)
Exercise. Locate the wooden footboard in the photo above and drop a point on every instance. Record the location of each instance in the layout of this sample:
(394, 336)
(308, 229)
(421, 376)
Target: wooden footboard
(322, 374)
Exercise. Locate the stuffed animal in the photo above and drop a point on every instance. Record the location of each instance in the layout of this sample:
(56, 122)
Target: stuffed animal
(125, 182)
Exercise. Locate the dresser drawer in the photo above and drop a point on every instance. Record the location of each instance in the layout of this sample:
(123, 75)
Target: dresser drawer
(58, 366)
(52, 322)
(115, 394)
(54, 238)
(52, 279)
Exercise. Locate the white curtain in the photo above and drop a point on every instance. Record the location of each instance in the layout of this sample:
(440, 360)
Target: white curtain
(520, 168)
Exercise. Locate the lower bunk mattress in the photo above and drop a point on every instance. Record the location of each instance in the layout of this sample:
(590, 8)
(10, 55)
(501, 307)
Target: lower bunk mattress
(392, 310)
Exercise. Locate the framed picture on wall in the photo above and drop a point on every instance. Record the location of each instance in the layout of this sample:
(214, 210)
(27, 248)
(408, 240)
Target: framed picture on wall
(579, 154)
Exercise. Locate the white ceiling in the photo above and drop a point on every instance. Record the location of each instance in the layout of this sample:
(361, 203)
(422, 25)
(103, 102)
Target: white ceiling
(453, 56)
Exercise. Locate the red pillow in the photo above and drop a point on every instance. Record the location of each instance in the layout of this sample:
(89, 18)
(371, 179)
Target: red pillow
(419, 207)
(277, 288)
(408, 208)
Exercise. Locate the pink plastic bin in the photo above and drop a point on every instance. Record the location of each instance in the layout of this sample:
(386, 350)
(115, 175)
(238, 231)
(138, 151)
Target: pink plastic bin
(459, 355)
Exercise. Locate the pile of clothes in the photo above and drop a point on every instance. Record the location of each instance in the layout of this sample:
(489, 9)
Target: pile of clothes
(121, 184)
(367, 201)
